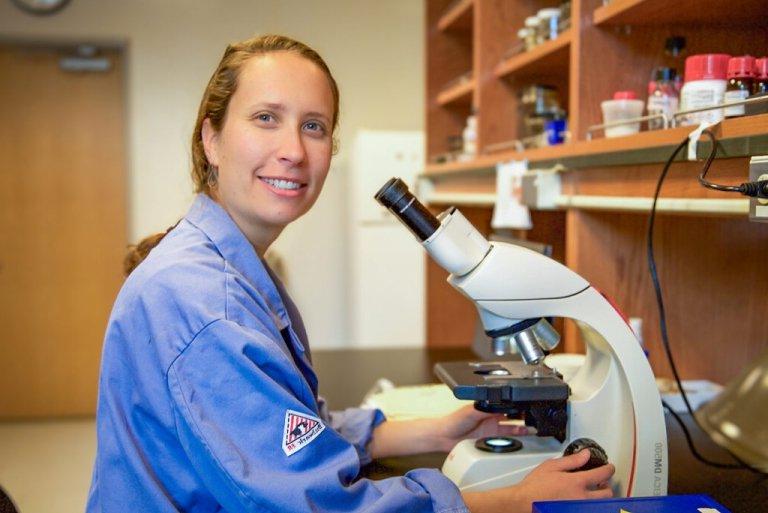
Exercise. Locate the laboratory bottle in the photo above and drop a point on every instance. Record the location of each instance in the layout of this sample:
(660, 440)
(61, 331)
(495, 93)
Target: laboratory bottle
(470, 136)
(674, 48)
(705, 84)
(741, 73)
(761, 77)
(663, 96)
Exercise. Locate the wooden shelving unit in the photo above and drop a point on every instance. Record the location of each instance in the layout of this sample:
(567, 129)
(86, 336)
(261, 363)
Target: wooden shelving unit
(546, 59)
(458, 17)
(710, 257)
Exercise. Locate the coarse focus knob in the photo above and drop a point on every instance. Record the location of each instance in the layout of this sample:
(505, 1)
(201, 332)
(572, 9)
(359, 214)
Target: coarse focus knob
(597, 455)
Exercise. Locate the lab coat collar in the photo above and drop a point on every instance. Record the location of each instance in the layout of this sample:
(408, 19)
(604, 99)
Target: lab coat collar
(209, 217)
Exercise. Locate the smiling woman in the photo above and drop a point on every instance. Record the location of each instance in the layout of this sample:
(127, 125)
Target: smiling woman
(208, 400)
(272, 153)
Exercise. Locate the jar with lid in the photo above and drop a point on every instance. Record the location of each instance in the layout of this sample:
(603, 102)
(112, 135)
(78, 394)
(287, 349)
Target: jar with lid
(527, 37)
(549, 23)
(532, 38)
(663, 97)
(538, 104)
(741, 73)
(705, 83)
(623, 107)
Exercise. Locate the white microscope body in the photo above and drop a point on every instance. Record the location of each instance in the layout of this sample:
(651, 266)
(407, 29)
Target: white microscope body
(613, 396)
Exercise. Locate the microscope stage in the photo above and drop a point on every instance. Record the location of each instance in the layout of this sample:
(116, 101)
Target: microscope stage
(502, 381)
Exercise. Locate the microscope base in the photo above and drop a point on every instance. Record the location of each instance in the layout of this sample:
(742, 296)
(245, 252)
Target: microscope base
(474, 470)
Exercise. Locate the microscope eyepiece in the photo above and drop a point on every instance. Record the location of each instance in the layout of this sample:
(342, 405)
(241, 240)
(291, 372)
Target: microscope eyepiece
(395, 196)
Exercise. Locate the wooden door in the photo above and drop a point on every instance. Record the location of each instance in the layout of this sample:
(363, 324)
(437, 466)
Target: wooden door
(62, 228)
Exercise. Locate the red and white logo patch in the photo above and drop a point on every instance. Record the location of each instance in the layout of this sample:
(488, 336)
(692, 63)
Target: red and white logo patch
(300, 429)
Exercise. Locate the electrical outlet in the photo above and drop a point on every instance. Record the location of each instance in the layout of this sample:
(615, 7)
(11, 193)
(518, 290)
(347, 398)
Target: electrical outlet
(758, 170)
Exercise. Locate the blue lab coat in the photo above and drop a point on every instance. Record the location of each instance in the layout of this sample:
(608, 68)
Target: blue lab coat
(205, 372)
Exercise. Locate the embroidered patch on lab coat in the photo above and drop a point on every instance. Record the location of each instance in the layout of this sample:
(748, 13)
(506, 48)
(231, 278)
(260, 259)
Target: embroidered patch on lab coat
(300, 429)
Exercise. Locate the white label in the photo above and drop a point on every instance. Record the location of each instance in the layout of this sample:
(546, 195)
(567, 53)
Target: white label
(699, 98)
(735, 96)
(299, 430)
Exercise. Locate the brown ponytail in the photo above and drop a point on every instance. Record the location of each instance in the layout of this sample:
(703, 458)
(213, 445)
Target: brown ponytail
(214, 105)
(138, 252)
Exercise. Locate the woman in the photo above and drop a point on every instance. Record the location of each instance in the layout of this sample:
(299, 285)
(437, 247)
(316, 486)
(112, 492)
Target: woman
(207, 398)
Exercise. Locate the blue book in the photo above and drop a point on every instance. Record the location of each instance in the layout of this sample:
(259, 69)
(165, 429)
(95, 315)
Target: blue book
(666, 504)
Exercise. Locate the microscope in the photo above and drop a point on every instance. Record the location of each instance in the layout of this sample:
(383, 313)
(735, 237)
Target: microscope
(611, 404)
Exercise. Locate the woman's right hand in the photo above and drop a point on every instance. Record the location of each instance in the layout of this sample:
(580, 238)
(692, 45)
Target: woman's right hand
(551, 480)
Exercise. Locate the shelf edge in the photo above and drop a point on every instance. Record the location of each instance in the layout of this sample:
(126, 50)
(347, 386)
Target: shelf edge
(529, 58)
(454, 14)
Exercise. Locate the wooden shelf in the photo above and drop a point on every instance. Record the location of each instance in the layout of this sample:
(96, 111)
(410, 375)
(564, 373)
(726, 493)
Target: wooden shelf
(547, 58)
(459, 94)
(711, 13)
(737, 137)
(457, 17)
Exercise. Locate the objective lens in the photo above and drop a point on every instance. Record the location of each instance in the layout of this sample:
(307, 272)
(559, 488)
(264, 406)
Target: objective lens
(397, 198)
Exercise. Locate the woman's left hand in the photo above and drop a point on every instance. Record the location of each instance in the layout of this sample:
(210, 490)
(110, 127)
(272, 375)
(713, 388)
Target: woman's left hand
(467, 422)
(406, 437)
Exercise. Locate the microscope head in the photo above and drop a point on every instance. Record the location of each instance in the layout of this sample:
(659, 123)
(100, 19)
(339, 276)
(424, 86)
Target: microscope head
(457, 246)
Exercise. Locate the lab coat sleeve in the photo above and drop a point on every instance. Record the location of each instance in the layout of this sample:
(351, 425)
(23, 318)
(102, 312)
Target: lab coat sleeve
(356, 425)
(232, 388)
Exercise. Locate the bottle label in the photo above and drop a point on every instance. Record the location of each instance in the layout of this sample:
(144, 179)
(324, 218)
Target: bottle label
(735, 96)
(699, 98)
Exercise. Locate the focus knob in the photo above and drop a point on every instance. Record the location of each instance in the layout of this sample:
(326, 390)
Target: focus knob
(597, 455)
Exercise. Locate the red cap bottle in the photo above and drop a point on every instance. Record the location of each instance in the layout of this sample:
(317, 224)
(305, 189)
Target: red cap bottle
(761, 76)
(710, 66)
(624, 95)
(741, 67)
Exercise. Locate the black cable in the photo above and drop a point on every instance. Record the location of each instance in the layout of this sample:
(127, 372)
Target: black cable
(757, 189)
(660, 302)
(697, 455)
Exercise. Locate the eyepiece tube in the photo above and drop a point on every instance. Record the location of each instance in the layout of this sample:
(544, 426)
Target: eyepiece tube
(395, 196)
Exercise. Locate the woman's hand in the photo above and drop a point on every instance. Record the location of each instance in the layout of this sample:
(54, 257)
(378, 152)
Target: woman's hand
(552, 480)
(467, 422)
(406, 437)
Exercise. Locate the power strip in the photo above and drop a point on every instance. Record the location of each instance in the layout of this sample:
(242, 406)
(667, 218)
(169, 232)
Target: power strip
(758, 170)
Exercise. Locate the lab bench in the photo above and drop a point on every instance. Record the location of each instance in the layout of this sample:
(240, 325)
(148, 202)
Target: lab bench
(346, 375)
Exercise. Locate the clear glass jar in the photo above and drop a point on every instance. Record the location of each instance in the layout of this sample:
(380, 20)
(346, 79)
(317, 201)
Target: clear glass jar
(532, 39)
(549, 23)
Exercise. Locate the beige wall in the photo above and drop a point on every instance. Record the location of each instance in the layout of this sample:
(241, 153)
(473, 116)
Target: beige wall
(374, 48)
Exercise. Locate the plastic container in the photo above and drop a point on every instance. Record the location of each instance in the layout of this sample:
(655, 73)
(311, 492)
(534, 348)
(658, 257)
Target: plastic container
(705, 84)
(663, 96)
(741, 74)
(624, 106)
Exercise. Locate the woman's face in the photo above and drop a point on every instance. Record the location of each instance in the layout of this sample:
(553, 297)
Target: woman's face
(274, 149)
